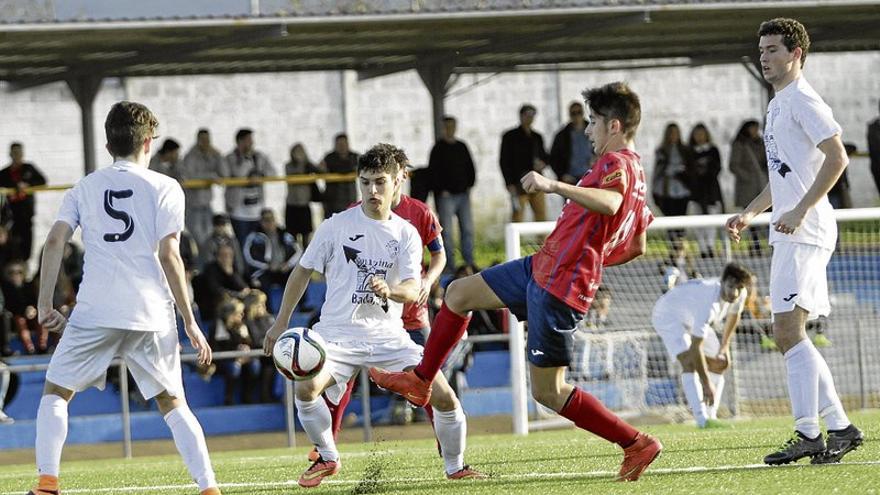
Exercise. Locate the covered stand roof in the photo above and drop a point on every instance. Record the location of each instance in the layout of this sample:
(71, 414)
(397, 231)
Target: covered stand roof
(48, 42)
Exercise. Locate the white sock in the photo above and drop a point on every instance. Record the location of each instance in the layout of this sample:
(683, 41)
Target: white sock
(314, 416)
(830, 407)
(51, 433)
(190, 441)
(451, 429)
(802, 363)
(693, 393)
(717, 382)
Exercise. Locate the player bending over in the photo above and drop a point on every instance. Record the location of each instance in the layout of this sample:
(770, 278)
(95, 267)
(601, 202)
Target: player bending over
(686, 318)
(603, 223)
(131, 219)
(371, 259)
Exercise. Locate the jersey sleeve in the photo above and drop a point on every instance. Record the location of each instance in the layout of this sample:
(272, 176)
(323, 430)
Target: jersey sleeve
(816, 119)
(613, 175)
(320, 249)
(409, 256)
(429, 229)
(169, 218)
(69, 210)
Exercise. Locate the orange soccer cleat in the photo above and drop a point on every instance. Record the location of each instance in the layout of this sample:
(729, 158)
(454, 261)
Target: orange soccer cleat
(406, 383)
(466, 473)
(638, 456)
(319, 470)
(314, 455)
(210, 491)
(47, 485)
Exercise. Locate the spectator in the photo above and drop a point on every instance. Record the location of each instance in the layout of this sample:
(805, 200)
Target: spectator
(217, 282)
(7, 253)
(669, 184)
(270, 253)
(232, 335)
(5, 380)
(572, 152)
(874, 150)
(748, 164)
(21, 301)
(5, 328)
(298, 215)
(522, 150)
(839, 195)
(258, 321)
(167, 160)
(679, 267)
(221, 235)
(203, 162)
(20, 175)
(452, 174)
(243, 203)
(702, 174)
(339, 195)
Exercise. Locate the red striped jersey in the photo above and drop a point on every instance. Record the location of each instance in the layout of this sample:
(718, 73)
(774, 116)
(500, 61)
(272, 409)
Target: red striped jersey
(569, 264)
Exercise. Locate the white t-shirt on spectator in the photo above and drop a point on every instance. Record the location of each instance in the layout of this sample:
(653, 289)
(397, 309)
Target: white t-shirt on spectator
(349, 249)
(695, 307)
(124, 211)
(798, 120)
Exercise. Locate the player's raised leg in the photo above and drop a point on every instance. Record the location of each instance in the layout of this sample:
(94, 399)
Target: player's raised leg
(450, 426)
(462, 296)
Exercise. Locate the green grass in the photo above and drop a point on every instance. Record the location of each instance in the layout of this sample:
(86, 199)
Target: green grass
(564, 461)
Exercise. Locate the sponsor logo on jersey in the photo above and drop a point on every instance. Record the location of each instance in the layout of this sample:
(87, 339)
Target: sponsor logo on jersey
(612, 176)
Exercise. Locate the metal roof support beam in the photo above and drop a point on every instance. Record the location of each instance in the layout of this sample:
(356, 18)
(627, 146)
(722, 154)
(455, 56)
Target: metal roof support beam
(436, 77)
(85, 89)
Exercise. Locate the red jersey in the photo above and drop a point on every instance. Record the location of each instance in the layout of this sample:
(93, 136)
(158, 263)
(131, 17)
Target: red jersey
(569, 264)
(415, 316)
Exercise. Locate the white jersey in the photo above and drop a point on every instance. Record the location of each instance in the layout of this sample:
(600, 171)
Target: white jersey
(797, 122)
(695, 307)
(350, 249)
(124, 211)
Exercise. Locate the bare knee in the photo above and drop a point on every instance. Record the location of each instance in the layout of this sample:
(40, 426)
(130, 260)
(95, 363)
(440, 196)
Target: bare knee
(550, 398)
(456, 297)
(52, 389)
(167, 402)
(442, 396)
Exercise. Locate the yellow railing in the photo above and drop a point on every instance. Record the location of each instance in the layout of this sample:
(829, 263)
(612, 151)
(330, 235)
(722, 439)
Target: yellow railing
(204, 183)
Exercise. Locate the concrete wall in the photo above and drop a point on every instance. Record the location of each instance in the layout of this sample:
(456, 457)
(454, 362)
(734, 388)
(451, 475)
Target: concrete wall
(313, 107)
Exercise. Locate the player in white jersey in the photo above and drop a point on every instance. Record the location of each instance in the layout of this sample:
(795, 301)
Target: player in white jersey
(805, 157)
(131, 219)
(686, 318)
(371, 259)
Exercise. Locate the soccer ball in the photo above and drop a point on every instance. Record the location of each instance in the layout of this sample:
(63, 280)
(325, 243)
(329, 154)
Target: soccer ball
(299, 353)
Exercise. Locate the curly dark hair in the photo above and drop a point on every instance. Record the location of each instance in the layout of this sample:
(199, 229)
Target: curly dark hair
(383, 157)
(616, 101)
(738, 273)
(128, 125)
(794, 34)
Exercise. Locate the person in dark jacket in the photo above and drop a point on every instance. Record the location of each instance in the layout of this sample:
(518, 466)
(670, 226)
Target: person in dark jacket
(572, 153)
(669, 183)
(20, 175)
(702, 174)
(339, 195)
(522, 151)
(874, 150)
(270, 253)
(452, 173)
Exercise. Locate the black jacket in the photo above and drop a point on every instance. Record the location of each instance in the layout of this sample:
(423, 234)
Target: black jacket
(518, 154)
(451, 167)
(258, 252)
(560, 151)
(22, 206)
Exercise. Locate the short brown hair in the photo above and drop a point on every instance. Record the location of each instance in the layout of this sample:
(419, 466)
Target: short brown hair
(738, 273)
(128, 125)
(383, 157)
(616, 101)
(794, 34)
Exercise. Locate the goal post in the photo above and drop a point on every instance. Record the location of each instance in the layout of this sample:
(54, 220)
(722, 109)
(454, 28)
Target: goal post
(621, 360)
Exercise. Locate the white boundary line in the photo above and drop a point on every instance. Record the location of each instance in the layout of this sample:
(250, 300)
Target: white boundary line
(524, 476)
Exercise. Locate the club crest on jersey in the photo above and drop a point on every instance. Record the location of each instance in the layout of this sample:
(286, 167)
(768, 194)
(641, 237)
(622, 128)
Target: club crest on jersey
(612, 176)
(393, 247)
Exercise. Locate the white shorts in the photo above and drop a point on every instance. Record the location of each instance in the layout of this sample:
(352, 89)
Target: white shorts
(798, 278)
(344, 359)
(676, 340)
(83, 355)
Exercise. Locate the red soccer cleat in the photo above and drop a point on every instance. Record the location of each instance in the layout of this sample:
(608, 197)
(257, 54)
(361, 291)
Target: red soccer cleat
(319, 470)
(314, 455)
(638, 456)
(406, 383)
(466, 473)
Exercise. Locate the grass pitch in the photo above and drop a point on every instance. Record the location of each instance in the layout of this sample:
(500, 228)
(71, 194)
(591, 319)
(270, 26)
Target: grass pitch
(564, 461)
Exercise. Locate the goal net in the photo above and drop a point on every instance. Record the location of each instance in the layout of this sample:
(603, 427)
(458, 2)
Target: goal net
(620, 359)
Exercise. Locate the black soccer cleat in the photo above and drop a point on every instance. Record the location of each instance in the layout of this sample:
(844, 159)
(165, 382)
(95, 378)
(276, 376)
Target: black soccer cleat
(840, 443)
(797, 447)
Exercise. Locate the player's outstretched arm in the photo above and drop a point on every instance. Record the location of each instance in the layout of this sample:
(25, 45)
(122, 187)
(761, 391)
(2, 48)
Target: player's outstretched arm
(175, 273)
(737, 223)
(435, 269)
(404, 292)
(293, 292)
(53, 251)
(730, 324)
(601, 201)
